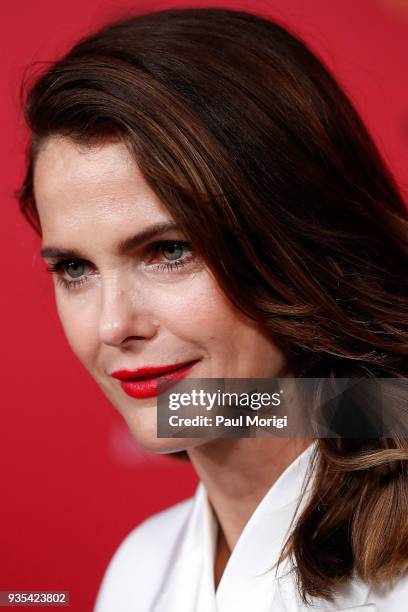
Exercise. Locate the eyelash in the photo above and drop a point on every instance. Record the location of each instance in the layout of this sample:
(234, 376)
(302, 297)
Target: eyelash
(58, 267)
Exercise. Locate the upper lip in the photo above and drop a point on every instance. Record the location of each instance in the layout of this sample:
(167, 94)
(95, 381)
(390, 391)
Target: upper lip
(148, 371)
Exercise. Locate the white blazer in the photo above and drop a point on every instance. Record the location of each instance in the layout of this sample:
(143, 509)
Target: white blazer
(166, 563)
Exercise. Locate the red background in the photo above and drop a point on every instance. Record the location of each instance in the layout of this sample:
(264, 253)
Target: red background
(74, 482)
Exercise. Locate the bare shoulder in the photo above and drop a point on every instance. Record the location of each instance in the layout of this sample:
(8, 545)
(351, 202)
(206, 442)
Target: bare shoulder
(141, 560)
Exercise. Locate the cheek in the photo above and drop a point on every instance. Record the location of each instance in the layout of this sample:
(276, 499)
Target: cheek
(78, 321)
(236, 346)
(197, 310)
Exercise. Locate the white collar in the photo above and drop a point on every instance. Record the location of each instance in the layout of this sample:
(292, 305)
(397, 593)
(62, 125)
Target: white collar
(262, 538)
(248, 579)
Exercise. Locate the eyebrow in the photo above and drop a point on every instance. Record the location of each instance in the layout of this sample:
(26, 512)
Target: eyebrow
(123, 247)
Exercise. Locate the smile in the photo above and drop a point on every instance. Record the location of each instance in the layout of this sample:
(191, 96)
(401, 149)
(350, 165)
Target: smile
(150, 382)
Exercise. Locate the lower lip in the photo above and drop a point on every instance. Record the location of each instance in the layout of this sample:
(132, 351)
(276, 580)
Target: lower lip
(142, 389)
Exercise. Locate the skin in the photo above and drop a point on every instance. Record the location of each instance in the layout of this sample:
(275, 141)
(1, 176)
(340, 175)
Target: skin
(129, 314)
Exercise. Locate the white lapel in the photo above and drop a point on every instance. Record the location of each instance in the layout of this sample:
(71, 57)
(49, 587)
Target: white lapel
(353, 597)
(189, 584)
(250, 580)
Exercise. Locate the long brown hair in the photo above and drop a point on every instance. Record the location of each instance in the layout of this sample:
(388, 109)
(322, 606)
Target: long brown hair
(262, 160)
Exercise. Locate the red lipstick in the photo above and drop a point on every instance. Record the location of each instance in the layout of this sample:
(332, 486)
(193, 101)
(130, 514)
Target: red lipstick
(143, 382)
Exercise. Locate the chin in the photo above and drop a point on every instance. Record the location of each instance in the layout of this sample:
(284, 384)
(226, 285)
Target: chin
(143, 427)
(164, 446)
(167, 446)
(142, 424)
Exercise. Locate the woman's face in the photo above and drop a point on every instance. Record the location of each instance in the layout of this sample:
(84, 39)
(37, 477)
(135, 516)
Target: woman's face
(148, 304)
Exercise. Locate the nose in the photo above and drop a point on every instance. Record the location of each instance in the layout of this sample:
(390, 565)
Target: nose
(124, 317)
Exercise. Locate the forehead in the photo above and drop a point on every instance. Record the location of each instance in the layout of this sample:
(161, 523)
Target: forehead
(75, 184)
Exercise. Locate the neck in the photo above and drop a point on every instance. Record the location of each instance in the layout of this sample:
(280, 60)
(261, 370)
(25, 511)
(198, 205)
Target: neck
(238, 472)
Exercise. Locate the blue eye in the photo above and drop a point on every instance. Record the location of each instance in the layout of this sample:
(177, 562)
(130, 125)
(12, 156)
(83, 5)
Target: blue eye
(75, 268)
(176, 255)
(173, 251)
